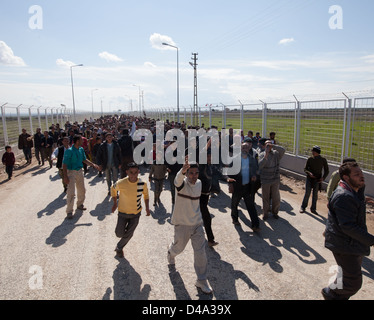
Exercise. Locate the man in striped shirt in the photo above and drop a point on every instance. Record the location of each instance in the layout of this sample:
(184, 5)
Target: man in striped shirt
(129, 206)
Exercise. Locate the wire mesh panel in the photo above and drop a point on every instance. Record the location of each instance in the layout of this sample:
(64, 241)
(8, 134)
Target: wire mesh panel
(322, 123)
(252, 115)
(362, 133)
(280, 118)
(217, 117)
(233, 117)
(12, 125)
(204, 116)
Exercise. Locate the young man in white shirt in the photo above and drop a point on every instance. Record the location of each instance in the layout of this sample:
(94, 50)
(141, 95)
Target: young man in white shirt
(188, 222)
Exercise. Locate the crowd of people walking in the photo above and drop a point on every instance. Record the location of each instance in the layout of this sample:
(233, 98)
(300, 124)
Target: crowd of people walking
(106, 145)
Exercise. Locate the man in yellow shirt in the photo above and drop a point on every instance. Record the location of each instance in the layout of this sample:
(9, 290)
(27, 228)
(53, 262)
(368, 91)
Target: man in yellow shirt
(129, 206)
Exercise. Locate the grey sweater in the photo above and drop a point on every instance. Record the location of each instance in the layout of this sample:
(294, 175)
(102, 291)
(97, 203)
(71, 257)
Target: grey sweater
(269, 168)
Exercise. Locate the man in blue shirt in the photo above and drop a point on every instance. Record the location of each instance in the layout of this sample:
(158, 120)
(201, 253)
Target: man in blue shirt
(73, 174)
(244, 185)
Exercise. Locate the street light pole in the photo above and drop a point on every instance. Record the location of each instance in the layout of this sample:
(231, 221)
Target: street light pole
(72, 86)
(175, 47)
(140, 105)
(92, 91)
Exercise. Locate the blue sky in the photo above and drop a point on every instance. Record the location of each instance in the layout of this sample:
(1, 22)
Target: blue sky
(248, 50)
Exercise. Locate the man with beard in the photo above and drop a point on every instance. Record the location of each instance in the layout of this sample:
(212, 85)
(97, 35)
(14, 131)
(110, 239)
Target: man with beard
(346, 232)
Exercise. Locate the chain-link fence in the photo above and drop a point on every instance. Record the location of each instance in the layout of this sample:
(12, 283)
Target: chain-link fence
(342, 127)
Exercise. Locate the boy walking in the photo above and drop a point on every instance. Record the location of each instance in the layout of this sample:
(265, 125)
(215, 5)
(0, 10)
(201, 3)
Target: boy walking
(129, 206)
(8, 161)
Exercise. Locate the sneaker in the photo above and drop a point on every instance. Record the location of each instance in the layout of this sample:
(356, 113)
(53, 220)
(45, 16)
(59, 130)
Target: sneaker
(266, 216)
(69, 216)
(82, 207)
(119, 253)
(171, 260)
(327, 294)
(314, 211)
(302, 210)
(204, 286)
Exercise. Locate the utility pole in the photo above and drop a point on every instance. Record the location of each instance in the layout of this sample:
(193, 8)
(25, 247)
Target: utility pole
(195, 107)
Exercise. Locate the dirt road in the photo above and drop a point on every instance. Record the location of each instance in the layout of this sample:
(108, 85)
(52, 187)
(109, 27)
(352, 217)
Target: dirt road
(45, 256)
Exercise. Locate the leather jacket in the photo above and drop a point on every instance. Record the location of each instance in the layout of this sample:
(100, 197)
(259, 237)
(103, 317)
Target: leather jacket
(346, 230)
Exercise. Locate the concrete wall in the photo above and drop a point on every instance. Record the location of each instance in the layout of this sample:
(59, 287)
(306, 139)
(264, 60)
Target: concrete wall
(294, 166)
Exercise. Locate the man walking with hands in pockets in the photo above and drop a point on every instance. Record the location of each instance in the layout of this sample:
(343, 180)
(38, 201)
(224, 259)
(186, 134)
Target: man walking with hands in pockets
(188, 222)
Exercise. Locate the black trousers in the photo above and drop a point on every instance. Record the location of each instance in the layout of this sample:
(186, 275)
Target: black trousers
(207, 219)
(352, 276)
(9, 171)
(247, 193)
(126, 225)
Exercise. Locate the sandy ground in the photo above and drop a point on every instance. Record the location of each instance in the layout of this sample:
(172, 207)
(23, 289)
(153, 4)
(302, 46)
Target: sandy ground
(45, 257)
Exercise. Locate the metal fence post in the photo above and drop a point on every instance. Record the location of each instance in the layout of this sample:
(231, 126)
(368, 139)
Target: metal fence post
(30, 118)
(40, 124)
(3, 117)
(264, 118)
(46, 119)
(297, 127)
(210, 116)
(241, 116)
(347, 127)
(223, 116)
(19, 119)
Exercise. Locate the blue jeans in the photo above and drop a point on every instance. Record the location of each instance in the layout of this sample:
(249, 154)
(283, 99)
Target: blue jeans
(111, 174)
(311, 184)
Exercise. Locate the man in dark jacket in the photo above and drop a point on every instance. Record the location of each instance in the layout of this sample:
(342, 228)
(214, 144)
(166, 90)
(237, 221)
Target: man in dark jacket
(47, 144)
(244, 185)
(206, 178)
(59, 154)
(25, 144)
(38, 146)
(346, 232)
(109, 159)
(314, 167)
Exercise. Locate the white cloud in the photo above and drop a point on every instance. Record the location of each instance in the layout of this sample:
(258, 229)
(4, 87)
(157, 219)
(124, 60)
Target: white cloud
(109, 57)
(157, 41)
(149, 64)
(368, 59)
(64, 64)
(7, 56)
(286, 41)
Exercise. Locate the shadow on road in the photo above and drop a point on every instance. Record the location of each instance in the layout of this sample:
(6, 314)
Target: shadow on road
(160, 214)
(102, 209)
(127, 284)
(176, 280)
(52, 207)
(58, 235)
(222, 277)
